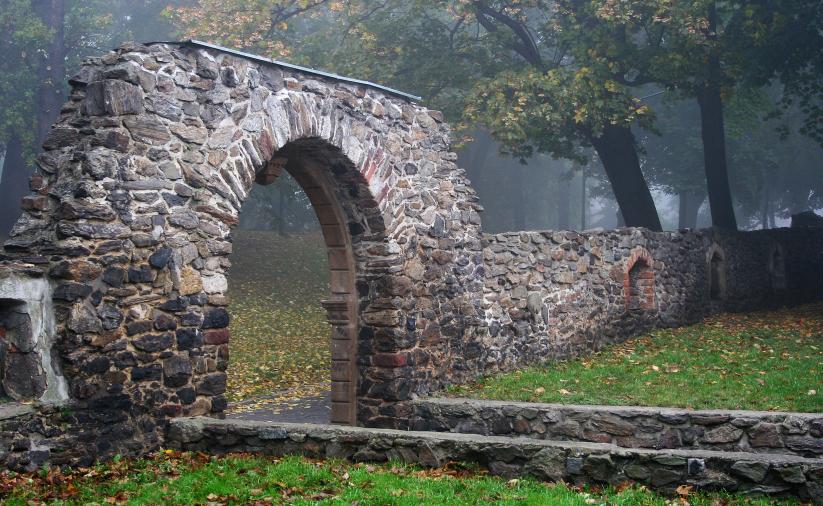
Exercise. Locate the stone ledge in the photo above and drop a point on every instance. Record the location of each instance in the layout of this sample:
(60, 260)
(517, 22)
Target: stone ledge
(628, 426)
(575, 462)
(11, 410)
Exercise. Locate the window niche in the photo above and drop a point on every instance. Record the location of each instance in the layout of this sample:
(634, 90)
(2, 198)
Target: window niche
(777, 268)
(21, 373)
(638, 283)
(716, 267)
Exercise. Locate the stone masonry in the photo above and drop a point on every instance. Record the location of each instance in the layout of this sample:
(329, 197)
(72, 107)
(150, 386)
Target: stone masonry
(127, 234)
(798, 434)
(573, 462)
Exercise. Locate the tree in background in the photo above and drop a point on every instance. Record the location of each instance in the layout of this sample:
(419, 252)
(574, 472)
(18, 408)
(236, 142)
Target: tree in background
(43, 42)
(25, 38)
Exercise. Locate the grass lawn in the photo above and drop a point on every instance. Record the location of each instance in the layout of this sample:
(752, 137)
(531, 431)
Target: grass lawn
(175, 478)
(280, 335)
(758, 361)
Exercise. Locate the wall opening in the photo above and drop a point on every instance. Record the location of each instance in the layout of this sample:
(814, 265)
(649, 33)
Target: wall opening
(638, 284)
(308, 170)
(280, 338)
(716, 273)
(21, 373)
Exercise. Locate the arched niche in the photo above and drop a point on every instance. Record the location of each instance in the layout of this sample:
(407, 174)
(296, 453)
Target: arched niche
(638, 281)
(716, 272)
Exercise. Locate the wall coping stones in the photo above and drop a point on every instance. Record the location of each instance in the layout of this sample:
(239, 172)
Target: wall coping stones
(571, 461)
(628, 411)
(627, 426)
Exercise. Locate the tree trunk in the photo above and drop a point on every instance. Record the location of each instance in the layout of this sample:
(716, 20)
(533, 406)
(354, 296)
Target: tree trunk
(563, 222)
(689, 205)
(764, 215)
(519, 201)
(584, 203)
(13, 186)
(616, 149)
(52, 72)
(714, 139)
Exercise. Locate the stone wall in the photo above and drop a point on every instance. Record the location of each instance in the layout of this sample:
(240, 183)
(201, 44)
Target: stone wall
(628, 426)
(127, 233)
(128, 227)
(554, 295)
(573, 462)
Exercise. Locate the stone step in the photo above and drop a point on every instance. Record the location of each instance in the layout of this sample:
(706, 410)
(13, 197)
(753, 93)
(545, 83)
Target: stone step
(570, 461)
(798, 434)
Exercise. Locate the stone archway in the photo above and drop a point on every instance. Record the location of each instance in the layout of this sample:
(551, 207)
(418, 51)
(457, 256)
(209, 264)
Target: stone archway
(141, 182)
(342, 202)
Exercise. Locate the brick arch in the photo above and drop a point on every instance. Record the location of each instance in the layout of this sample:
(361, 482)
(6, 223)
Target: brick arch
(638, 281)
(129, 223)
(351, 224)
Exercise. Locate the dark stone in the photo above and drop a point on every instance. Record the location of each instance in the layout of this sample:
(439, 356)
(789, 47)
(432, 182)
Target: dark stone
(147, 129)
(60, 138)
(124, 360)
(24, 378)
(113, 98)
(753, 471)
(216, 319)
(142, 274)
(804, 444)
(97, 365)
(186, 395)
(164, 322)
(176, 371)
(219, 404)
(188, 338)
(160, 258)
(151, 372)
(212, 384)
(191, 319)
(176, 304)
(153, 342)
(114, 276)
(110, 316)
(78, 209)
(138, 327)
(184, 219)
(765, 435)
(72, 291)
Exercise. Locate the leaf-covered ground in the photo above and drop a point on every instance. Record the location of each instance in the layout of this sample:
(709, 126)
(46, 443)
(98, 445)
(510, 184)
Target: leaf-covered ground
(185, 478)
(771, 360)
(280, 335)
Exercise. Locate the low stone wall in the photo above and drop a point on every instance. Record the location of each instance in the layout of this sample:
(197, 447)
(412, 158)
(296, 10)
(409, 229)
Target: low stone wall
(627, 426)
(572, 462)
(555, 295)
(32, 435)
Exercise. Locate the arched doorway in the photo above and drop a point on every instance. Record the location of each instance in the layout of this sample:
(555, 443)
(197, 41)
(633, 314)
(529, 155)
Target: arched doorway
(336, 193)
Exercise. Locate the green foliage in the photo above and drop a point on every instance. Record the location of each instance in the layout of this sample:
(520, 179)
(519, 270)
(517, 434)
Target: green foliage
(24, 38)
(553, 112)
(759, 361)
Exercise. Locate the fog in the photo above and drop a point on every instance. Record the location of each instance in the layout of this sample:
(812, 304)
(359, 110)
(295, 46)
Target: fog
(530, 173)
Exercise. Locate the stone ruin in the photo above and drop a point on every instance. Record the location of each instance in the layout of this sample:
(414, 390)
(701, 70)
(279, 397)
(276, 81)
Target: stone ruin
(113, 315)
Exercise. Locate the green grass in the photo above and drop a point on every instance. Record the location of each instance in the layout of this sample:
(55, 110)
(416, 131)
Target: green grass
(757, 361)
(174, 478)
(280, 335)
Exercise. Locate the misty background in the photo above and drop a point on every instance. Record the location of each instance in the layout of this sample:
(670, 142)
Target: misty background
(446, 55)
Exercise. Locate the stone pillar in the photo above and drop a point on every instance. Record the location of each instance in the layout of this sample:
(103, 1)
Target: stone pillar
(343, 339)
